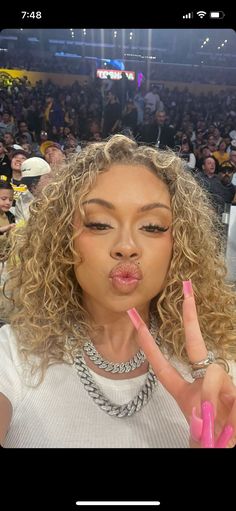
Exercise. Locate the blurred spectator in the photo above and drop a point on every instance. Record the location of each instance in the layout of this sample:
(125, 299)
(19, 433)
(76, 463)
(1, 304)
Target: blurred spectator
(9, 140)
(94, 131)
(23, 130)
(139, 103)
(7, 219)
(221, 155)
(201, 153)
(18, 157)
(36, 174)
(71, 145)
(5, 164)
(211, 143)
(53, 114)
(112, 115)
(152, 100)
(186, 153)
(218, 186)
(130, 116)
(53, 153)
(158, 133)
(7, 124)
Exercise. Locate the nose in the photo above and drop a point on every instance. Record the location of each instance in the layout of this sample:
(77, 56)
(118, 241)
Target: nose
(126, 248)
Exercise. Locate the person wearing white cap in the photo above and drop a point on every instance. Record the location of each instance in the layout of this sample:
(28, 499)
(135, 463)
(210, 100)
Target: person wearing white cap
(36, 174)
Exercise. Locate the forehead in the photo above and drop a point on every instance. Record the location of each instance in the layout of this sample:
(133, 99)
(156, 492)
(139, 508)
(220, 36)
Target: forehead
(130, 182)
(226, 169)
(51, 149)
(19, 157)
(209, 159)
(5, 192)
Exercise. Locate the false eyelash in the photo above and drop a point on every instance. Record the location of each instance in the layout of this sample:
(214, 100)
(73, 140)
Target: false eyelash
(154, 228)
(98, 225)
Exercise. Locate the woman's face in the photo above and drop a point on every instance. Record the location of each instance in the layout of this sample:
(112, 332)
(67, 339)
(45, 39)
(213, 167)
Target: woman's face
(125, 241)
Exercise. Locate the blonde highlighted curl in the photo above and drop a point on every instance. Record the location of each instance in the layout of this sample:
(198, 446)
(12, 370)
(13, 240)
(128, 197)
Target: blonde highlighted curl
(47, 297)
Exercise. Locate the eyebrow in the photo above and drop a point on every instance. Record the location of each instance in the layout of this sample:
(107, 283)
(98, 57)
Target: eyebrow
(109, 205)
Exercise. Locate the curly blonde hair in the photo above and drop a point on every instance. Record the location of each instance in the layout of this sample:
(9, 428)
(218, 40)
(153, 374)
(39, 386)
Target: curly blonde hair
(48, 298)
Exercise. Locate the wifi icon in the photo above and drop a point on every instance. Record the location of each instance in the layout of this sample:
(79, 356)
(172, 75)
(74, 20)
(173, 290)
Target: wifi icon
(201, 14)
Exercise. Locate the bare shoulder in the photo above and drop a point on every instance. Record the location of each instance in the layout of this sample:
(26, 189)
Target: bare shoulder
(5, 416)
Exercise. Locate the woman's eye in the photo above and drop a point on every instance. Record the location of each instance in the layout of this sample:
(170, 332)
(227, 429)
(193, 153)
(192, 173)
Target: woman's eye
(98, 226)
(154, 228)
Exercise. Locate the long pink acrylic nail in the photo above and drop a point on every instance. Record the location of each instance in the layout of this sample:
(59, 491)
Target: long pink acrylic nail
(225, 436)
(135, 317)
(207, 438)
(196, 424)
(187, 288)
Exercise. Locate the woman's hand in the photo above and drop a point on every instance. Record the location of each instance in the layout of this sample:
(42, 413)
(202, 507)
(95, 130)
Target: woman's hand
(209, 403)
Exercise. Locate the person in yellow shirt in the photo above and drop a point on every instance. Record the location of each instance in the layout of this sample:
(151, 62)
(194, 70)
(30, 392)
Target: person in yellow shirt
(221, 155)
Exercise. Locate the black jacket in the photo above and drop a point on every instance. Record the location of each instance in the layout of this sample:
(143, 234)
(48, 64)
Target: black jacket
(161, 136)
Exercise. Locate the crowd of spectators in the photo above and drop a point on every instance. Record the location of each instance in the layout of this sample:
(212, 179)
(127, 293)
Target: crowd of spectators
(195, 126)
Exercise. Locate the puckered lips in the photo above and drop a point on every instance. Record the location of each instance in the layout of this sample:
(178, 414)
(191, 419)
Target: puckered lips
(125, 277)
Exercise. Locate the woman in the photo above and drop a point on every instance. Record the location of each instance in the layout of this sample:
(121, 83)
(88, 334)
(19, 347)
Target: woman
(115, 232)
(221, 155)
(187, 154)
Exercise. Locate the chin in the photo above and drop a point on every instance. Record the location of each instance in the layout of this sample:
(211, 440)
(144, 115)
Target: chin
(120, 308)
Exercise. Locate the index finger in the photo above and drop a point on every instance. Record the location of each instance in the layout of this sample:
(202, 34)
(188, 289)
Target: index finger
(168, 375)
(195, 345)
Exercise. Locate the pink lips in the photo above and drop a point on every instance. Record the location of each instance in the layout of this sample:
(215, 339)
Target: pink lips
(125, 276)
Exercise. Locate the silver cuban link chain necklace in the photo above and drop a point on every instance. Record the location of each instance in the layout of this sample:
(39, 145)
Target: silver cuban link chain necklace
(119, 411)
(113, 367)
(118, 367)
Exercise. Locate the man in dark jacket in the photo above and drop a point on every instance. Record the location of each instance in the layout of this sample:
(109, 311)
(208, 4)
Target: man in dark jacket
(158, 133)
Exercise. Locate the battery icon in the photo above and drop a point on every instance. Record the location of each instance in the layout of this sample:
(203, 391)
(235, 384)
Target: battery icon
(217, 14)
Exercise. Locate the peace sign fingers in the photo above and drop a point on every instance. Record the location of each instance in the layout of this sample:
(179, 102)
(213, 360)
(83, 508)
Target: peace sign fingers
(195, 345)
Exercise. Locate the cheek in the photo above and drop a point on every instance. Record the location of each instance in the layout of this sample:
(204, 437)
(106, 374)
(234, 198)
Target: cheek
(90, 251)
(161, 255)
(84, 246)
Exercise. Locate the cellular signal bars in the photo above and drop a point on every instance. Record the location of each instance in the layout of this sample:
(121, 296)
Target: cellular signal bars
(187, 16)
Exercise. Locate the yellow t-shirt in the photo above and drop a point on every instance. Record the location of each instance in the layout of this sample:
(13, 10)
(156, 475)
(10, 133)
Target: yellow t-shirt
(220, 157)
